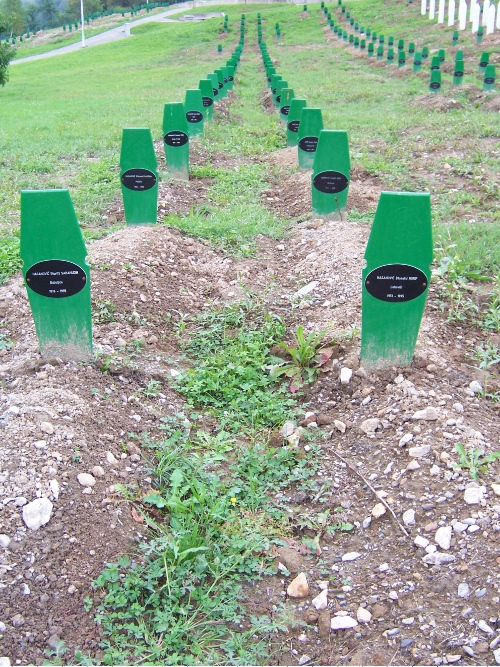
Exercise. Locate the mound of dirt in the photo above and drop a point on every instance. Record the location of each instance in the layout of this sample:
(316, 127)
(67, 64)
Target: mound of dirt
(436, 102)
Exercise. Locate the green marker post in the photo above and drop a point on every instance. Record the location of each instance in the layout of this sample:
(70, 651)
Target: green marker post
(458, 72)
(401, 58)
(330, 177)
(411, 48)
(425, 52)
(396, 279)
(293, 121)
(381, 39)
(401, 44)
(214, 80)
(390, 41)
(195, 112)
(231, 70)
(222, 88)
(139, 176)
(371, 50)
(479, 34)
(483, 62)
(489, 78)
(435, 64)
(362, 44)
(390, 56)
(207, 97)
(442, 55)
(454, 39)
(374, 36)
(287, 95)
(176, 140)
(356, 42)
(417, 61)
(279, 87)
(56, 274)
(311, 124)
(380, 52)
(459, 55)
(435, 82)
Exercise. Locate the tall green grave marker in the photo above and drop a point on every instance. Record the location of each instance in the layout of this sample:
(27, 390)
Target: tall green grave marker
(435, 82)
(396, 279)
(489, 78)
(417, 61)
(207, 97)
(56, 274)
(458, 72)
(139, 176)
(287, 96)
(194, 112)
(293, 121)
(311, 124)
(176, 140)
(330, 178)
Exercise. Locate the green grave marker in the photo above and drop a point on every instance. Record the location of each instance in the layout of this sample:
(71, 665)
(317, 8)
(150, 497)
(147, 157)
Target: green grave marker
(356, 42)
(220, 80)
(390, 56)
(417, 61)
(401, 59)
(139, 176)
(195, 112)
(483, 62)
(311, 124)
(380, 52)
(381, 39)
(489, 78)
(230, 76)
(214, 80)
(435, 64)
(390, 41)
(343, 10)
(396, 279)
(411, 48)
(293, 121)
(345, 36)
(330, 178)
(287, 96)
(371, 50)
(442, 55)
(459, 55)
(305, 8)
(435, 82)
(361, 30)
(374, 36)
(454, 39)
(176, 140)
(56, 274)
(274, 84)
(479, 34)
(351, 39)
(279, 87)
(219, 48)
(401, 44)
(356, 27)
(425, 52)
(458, 72)
(207, 96)
(362, 44)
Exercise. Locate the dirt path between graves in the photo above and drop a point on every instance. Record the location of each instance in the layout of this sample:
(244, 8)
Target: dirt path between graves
(430, 596)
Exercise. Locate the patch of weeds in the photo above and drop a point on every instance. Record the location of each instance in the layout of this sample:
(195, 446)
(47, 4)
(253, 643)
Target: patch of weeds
(230, 376)
(152, 389)
(56, 654)
(10, 260)
(180, 601)
(5, 342)
(487, 354)
(307, 358)
(103, 311)
(474, 460)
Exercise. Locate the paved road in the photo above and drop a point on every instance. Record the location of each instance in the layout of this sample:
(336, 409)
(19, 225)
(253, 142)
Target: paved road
(115, 33)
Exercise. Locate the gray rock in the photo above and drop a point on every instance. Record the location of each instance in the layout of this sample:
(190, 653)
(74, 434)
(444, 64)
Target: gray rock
(4, 541)
(352, 555)
(37, 513)
(408, 437)
(419, 452)
(369, 426)
(484, 627)
(86, 479)
(286, 430)
(438, 558)
(4, 661)
(443, 537)
(480, 593)
(409, 517)
(459, 527)
(476, 387)
(495, 643)
(343, 623)
(474, 495)
(46, 427)
(345, 375)
(428, 414)
(463, 590)
(304, 659)
(496, 655)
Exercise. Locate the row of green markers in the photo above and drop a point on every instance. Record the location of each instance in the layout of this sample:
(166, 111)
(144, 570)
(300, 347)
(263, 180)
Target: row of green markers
(55, 268)
(372, 44)
(326, 152)
(181, 122)
(399, 252)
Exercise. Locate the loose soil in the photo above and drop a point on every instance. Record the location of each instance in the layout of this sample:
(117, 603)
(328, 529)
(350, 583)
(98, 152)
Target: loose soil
(145, 280)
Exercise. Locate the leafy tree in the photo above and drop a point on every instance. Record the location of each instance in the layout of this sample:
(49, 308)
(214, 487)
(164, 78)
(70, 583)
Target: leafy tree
(33, 22)
(48, 13)
(89, 7)
(14, 16)
(6, 55)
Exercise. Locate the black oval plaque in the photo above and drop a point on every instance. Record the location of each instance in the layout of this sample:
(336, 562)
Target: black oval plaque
(273, 90)
(435, 85)
(308, 144)
(382, 40)
(458, 75)
(489, 80)
(139, 179)
(221, 85)
(225, 79)
(285, 110)
(390, 57)
(194, 116)
(207, 101)
(417, 63)
(215, 91)
(278, 99)
(401, 61)
(175, 138)
(435, 67)
(483, 64)
(230, 78)
(56, 278)
(396, 283)
(330, 182)
(411, 50)
(293, 125)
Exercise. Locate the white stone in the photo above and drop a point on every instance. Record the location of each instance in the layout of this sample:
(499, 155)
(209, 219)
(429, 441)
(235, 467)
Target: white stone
(473, 529)
(98, 471)
(459, 527)
(288, 429)
(453, 657)
(379, 510)
(496, 655)
(343, 623)
(352, 555)
(435, 471)
(413, 465)
(419, 452)
(298, 587)
(86, 479)
(369, 426)
(40, 444)
(307, 288)
(474, 495)
(430, 548)
(408, 621)
(443, 537)
(408, 437)
(463, 590)
(484, 627)
(4, 541)
(340, 426)
(46, 427)
(304, 659)
(428, 414)
(495, 642)
(457, 407)
(409, 517)
(476, 387)
(54, 488)
(110, 458)
(5, 662)
(363, 615)
(37, 513)
(320, 602)
(345, 375)
(438, 558)
(421, 542)
(496, 489)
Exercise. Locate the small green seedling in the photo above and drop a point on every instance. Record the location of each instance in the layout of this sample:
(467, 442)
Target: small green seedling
(474, 460)
(307, 359)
